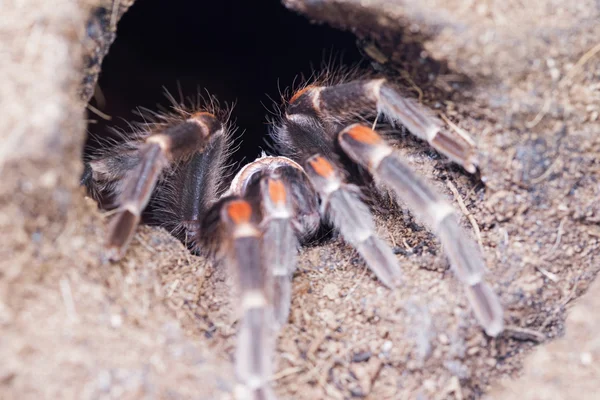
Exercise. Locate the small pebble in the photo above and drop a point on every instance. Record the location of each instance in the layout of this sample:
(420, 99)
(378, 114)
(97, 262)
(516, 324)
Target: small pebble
(586, 358)
(387, 346)
(116, 320)
(331, 291)
(473, 350)
(361, 356)
(443, 338)
(430, 385)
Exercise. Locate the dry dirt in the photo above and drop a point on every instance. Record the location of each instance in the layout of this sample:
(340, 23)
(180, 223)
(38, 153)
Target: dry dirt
(522, 78)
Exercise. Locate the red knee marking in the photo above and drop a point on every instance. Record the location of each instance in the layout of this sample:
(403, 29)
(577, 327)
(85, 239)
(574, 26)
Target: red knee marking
(239, 211)
(277, 191)
(205, 119)
(201, 114)
(364, 135)
(300, 92)
(322, 167)
(207, 122)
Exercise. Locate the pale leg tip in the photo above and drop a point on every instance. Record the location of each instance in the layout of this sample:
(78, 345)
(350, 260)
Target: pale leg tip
(397, 281)
(487, 308)
(390, 280)
(243, 392)
(470, 165)
(113, 254)
(494, 328)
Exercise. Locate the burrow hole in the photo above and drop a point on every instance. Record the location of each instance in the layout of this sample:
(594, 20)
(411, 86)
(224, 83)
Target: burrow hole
(242, 52)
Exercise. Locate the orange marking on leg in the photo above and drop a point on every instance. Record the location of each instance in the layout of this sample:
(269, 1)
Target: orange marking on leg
(322, 167)
(364, 135)
(239, 211)
(300, 92)
(277, 191)
(207, 122)
(202, 114)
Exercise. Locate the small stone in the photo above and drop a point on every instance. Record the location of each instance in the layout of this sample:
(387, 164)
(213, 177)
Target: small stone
(331, 291)
(329, 318)
(49, 179)
(491, 362)
(443, 338)
(116, 320)
(361, 356)
(387, 346)
(412, 365)
(364, 373)
(586, 358)
(472, 351)
(430, 385)
(78, 242)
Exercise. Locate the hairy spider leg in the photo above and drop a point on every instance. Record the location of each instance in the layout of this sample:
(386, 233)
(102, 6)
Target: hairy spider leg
(154, 155)
(342, 206)
(280, 241)
(103, 174)
(367, 148)
(341, 104)
(194, 187)
(232, 226)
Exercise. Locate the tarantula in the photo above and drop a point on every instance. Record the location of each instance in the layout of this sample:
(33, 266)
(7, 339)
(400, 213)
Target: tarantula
(276, 203)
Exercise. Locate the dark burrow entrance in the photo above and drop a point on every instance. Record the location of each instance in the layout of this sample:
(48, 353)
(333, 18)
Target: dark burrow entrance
(238, 51)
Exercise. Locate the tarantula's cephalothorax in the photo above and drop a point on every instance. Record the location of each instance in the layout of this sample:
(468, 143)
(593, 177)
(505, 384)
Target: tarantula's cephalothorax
(274, 204)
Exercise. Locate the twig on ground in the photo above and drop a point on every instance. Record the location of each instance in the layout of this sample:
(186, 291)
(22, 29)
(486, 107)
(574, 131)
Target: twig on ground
(466, 212)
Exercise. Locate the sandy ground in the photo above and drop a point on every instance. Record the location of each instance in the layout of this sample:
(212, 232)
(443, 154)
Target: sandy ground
(521, 78)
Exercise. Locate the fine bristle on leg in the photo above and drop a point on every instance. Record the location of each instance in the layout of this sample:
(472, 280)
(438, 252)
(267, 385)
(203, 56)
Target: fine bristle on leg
(347, 212)
(368, 149)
